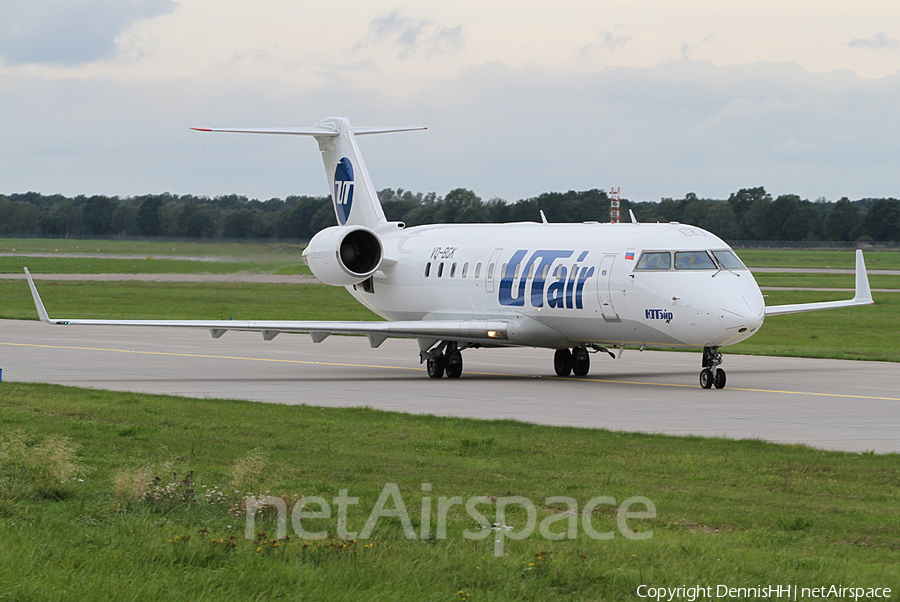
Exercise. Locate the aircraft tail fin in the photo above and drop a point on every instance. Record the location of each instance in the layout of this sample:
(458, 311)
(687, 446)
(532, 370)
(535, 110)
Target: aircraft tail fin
(352, 191)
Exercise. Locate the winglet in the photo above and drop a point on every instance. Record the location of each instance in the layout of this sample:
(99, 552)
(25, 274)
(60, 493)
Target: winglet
(861, 296)
(863, 292)
(39, 305)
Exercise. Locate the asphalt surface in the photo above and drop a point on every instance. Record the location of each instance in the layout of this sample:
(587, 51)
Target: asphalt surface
(832, 404)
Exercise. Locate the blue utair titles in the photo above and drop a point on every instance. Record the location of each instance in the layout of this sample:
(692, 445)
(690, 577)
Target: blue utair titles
(565, 291)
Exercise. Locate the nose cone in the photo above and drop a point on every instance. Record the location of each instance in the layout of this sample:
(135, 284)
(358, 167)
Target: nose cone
(726, 309)
(741, 307)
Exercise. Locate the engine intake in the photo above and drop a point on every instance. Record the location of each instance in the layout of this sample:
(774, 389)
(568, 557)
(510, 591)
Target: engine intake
(344, 255)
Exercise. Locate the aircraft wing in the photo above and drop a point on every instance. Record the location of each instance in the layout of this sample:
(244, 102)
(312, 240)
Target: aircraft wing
(377, 331)
(862, 296)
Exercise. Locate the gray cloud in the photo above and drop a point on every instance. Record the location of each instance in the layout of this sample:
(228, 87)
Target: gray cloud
(660, 131)
(68, 33)
(878, 41)
(606, 40)
(410, 35)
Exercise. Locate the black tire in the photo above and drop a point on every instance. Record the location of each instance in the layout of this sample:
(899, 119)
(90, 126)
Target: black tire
(720, 379)
(454, 365)
(562, 362)
(581, 361)
(435, 366)
(706, 378)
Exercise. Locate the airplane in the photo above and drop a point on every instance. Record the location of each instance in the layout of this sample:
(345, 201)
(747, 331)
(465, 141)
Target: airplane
(573, 288)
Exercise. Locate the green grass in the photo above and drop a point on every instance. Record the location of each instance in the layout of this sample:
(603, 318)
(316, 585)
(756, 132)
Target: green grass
(145, 265)
(182, 301)
(743, 513)
(249, 251)
(851, 333)
(846, 281)
(776, 258)
(868, 333)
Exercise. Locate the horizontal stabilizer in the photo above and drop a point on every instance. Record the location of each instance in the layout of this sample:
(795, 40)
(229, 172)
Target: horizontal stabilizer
(862, 296)
(314, 131)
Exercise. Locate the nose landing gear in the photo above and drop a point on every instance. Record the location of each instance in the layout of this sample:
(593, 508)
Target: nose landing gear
(711, 373)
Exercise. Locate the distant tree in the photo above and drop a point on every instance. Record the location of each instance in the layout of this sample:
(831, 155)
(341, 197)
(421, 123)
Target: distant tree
(240, 223)
(720, 220)
(124, 219)
(98, 212)
(461, 206)
(882, 222)
(62, 219)
(18, 217)
(840, 220)
(741, 203)
(198, 220)
(148, 216)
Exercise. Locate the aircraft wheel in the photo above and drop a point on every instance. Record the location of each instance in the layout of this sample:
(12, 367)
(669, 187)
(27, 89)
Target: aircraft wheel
(706, 378)
(720, 379)
(581, 361)
(454, 365)
(435, 366)
(562, 362)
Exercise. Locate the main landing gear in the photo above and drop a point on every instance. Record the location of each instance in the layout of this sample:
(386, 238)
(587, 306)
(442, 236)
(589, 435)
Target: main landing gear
(711, 373)
(444, 359)
(575, 361)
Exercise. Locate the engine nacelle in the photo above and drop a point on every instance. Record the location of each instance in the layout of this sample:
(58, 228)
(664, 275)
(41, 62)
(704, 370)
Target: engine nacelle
(344, 255)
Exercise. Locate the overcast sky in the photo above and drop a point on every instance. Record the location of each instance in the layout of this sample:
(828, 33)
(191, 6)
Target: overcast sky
(658, 98)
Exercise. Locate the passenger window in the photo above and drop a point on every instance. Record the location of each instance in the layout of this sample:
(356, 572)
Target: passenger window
(427, 269)
(693, 260)
(440, 269)
(477, 270)
(546, 270)
(516, 274)
(453, 270)
(465, 269)
(729, 260)
(490, 273)
(654, 260)
(503, 271)
(530, 271)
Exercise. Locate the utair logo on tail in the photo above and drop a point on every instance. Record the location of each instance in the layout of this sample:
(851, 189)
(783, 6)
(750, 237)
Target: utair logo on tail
(566, 290)
(343, 189)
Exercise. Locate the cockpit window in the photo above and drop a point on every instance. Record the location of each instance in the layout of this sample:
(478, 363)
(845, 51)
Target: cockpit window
(654, 260)
(729, 260)
(693, 260)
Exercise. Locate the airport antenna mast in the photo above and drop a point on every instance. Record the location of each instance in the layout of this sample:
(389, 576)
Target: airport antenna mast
(614, 205)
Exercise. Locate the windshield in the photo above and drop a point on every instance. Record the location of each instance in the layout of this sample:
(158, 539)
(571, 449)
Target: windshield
(729, 260)
(654, 260)
(693, 260)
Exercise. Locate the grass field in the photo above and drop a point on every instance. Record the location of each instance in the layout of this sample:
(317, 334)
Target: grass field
(145, 265)
(127, 496)
(846, 281)
(789, 258)
(95, 503)
(239, 251)
(182, 301)
(852, 333)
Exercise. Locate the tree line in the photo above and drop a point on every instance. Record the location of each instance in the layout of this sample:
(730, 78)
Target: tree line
(748, 214)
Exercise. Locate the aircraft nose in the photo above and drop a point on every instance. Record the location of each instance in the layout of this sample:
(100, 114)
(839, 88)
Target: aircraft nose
(742, 309)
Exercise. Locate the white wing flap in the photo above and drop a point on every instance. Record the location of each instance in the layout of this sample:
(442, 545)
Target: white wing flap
(862, 296)
(460, 330)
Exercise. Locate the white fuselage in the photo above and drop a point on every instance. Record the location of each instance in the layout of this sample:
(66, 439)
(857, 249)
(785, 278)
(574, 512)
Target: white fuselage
(565, 284)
